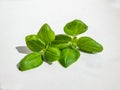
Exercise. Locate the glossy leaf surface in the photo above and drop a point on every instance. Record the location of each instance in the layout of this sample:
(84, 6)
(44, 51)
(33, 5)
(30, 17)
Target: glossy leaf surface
(61, 41)
(52, 54)
(68, 57)
(46, 34)
(89, 45)
(30, 61)
(75, 27)
(33, 43)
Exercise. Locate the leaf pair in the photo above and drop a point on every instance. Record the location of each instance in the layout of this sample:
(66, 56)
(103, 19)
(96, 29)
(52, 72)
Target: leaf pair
(85, 43)
(64, 48)
(39, 41)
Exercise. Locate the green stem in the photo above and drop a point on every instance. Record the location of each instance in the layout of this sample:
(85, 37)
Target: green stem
(74, 42)
(43, 56)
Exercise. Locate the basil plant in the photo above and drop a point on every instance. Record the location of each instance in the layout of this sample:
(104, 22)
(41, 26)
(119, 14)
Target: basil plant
(64, 48)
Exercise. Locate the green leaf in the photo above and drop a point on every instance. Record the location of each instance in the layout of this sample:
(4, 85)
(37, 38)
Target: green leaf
(61, 41)
(30, 61)
(52, 54)
(89, 45)
(75, 27)
(46, 34)
(68, 57)
(33, 43)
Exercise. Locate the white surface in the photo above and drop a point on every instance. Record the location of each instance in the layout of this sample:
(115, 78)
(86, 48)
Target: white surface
(19, 18)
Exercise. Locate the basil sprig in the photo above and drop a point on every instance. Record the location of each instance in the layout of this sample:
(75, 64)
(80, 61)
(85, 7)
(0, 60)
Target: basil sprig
(64, 48)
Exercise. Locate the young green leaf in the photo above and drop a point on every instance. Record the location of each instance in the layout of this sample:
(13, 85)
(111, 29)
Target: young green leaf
(33, 43)
(52, 54)
(75, 27)
(61, 41)
(89, 45)
(68, 57)
(30, 61)
(46, 34)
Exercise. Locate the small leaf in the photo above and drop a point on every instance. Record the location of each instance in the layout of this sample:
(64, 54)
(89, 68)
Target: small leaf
(75, 27)
(30, 61)
(68, 57)
(52, 54)
(33, 43)
(61, 41)
(89, 45)
(46, 34)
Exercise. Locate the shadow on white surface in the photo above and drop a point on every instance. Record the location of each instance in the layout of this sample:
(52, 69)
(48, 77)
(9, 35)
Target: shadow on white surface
(23, 49)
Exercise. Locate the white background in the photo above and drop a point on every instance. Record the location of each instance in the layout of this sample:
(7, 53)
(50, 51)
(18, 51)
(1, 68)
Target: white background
(19, 18)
